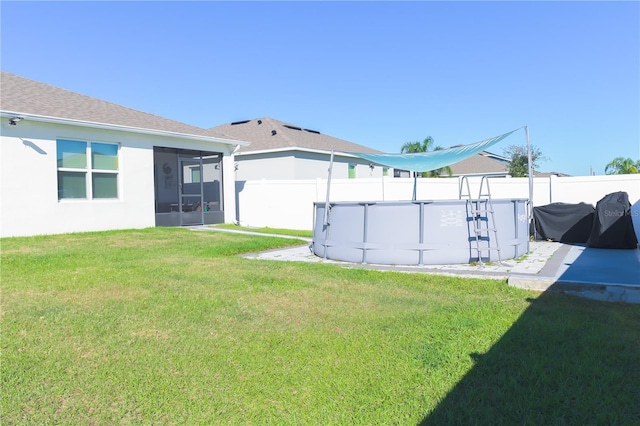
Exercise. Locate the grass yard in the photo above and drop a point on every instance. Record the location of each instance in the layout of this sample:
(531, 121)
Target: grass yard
(168, 326)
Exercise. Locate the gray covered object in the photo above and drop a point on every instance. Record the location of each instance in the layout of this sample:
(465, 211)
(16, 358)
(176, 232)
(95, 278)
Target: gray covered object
(612, 223)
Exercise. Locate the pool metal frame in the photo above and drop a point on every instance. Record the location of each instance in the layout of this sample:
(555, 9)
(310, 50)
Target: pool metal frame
(440, 245)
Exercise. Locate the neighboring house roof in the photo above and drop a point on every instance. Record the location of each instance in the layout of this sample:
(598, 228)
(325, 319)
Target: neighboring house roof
(269, 135)
(22, 96)
(482, 163)
(548, 174)
(497, 157)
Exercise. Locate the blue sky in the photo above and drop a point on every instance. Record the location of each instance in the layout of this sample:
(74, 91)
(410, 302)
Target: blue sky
(375, 73)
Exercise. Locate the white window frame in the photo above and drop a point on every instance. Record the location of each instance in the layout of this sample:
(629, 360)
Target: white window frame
(89, 170)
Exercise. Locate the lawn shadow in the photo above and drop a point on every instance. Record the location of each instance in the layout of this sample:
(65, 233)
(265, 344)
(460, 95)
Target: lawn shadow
(565, 361)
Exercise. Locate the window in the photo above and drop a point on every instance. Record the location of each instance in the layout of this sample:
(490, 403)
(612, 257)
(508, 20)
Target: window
(385, 171)
(195, 174)
(87, 170)
(352, 171)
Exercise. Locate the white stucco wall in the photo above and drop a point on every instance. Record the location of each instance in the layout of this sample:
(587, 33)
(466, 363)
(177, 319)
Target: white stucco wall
(300, 165)
(280, 167)
(29, 202)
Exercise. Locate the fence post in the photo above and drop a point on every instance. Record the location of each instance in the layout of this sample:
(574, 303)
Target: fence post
(553, 180)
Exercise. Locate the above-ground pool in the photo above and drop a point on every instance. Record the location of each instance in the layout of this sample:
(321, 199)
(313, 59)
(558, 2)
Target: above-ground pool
(421, 232)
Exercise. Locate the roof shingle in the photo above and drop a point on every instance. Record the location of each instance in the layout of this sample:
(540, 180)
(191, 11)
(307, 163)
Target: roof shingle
(25, 96)
(479, 163)
(260, 132)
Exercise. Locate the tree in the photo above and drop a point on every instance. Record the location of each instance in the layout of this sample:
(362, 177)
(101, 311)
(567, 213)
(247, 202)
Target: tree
(425, 146)
(519, 164)
(622, 166)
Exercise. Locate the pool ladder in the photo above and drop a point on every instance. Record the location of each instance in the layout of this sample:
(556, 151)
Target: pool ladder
(482, 212)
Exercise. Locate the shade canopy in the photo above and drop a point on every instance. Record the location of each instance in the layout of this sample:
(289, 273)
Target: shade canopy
(426, 161)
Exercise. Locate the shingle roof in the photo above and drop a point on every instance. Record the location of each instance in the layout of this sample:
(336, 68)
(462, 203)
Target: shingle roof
(23, 96)
(479, 163)
(260, 132)
(548, 174)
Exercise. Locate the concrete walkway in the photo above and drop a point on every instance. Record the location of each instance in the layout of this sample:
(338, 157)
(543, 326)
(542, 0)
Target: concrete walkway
(600, 274)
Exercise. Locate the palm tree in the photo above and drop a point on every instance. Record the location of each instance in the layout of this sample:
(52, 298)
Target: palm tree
(622, 166)
(425, 146)
(438, 172)
(412, 147)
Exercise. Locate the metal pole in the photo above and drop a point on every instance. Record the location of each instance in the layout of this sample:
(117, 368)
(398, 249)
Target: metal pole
(326, 204)
(200, 164)
(415, 185)
(530, 163)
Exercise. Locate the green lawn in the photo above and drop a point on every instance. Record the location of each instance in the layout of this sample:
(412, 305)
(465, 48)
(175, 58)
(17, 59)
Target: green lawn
(169, 326)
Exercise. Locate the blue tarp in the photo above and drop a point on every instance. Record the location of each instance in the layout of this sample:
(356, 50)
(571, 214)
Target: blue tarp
(426, 161)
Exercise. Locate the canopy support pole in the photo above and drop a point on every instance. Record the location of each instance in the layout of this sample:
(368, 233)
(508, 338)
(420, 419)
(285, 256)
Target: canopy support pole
(326, 204)
(530, 174)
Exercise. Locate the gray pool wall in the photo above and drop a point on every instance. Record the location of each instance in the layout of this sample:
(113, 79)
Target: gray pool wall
(418, 232)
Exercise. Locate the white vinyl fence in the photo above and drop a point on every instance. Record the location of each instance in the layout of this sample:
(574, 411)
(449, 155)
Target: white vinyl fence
(289, 203)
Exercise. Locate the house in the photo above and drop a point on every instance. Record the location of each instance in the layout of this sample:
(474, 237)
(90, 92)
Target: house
(482, 164)
(73, 163)
(549, 174)
(280, 150)
(485, 163)
(490, 164)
